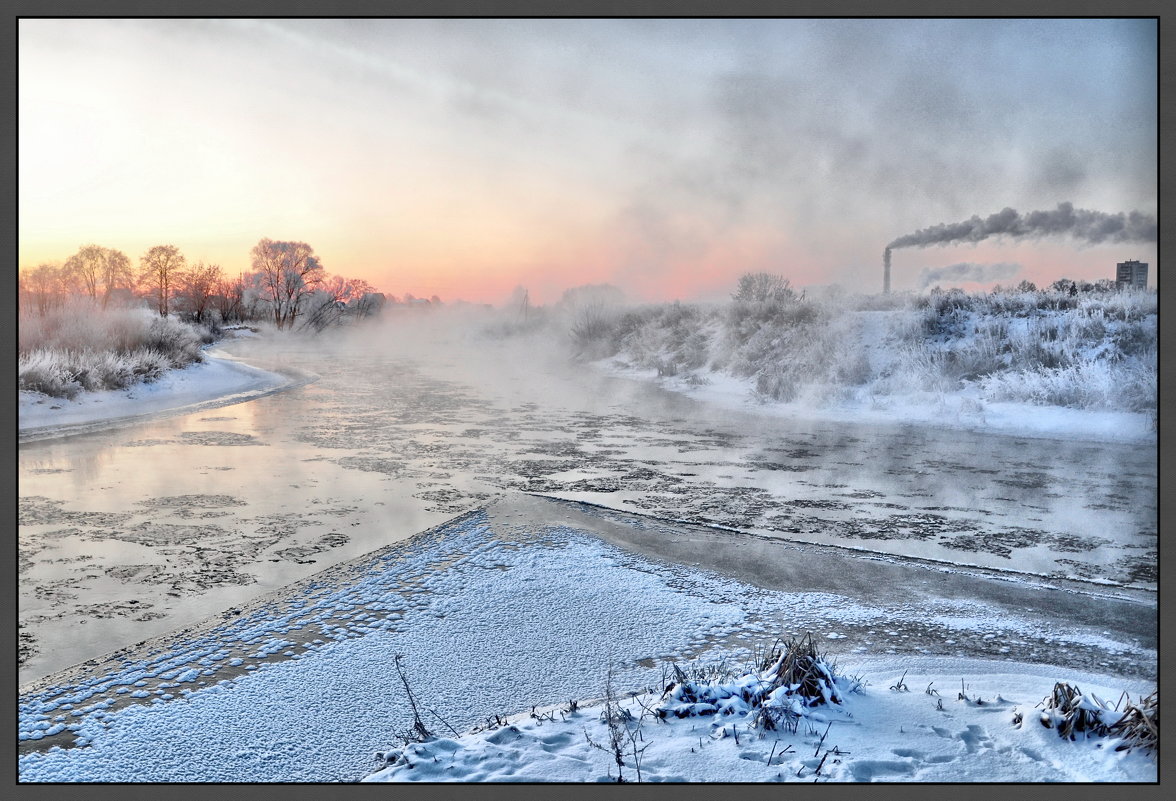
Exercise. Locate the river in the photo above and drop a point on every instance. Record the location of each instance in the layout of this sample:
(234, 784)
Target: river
(132, 532)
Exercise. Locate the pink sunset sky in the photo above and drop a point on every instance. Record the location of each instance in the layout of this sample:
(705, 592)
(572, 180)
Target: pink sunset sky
(464, 158)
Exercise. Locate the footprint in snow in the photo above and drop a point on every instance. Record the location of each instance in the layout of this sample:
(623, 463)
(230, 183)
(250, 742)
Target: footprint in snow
(974, 738)
(867, 770)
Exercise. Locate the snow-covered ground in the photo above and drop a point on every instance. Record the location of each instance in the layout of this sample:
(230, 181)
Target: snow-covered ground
(955, 721)
(497, 613)
(959, 410)
(217, 381)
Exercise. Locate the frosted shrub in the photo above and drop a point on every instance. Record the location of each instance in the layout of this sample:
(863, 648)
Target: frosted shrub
(65, 373)
(591, 325)
(111, 371)
(1085, 385)
(83, 347)
(178, 342)
(776, 383)
(149, 364)
(1088, 324)
(918, 369)
(1128, 307)
(853, 370)
(1093, 350)
(1035, 347)
(1135, 339)
(46, 371)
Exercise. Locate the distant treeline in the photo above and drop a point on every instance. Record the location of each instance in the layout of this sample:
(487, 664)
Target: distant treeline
(96, 322)
(287, 286)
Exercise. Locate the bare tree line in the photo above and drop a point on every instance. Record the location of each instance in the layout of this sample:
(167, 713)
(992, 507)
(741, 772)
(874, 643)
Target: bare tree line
(287, 285)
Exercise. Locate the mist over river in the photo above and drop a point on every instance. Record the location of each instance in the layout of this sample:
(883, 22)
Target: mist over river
(135, 531)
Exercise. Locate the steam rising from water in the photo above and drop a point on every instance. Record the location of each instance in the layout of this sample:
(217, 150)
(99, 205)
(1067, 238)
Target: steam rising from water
(967, 271)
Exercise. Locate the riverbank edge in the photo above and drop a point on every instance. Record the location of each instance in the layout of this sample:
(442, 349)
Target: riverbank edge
(256, 383)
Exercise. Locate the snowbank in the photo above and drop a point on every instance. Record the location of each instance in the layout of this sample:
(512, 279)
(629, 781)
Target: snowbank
(920, 720)
(220, 380)
(960, 410)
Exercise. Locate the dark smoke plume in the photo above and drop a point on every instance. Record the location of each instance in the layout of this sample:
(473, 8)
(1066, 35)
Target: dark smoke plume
(1090, 227)
(968, 271)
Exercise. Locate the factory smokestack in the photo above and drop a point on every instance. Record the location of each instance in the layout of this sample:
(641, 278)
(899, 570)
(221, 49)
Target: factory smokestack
(1086, 226)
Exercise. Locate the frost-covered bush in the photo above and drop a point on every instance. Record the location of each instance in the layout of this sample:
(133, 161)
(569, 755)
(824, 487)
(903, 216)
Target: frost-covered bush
(82, 347)
(1083, 385)
(65, 373)
(782, 344)
(47, 371)
(1092, 350)
(150, 364)
(178, 342)
(591, 324)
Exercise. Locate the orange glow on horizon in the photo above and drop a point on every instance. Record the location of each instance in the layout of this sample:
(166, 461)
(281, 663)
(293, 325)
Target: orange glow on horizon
(487, 272)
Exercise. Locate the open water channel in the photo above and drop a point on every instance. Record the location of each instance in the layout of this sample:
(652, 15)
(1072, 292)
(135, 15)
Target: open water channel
(132, 532)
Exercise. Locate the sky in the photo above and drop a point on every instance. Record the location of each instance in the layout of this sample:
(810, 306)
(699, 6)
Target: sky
(464, 158)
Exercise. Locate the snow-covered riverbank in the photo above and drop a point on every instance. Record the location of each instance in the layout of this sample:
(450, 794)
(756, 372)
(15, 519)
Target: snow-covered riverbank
(217, 381)
(957, 410)
(953, 721)
(1025, 364)
(526, 605)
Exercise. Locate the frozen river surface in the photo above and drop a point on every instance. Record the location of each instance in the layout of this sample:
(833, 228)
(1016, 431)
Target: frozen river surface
(130, 533)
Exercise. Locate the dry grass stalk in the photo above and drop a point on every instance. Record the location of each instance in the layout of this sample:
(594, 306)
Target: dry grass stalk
(1072, 713)
(419, 732)
(1140, 725)
(799, 665)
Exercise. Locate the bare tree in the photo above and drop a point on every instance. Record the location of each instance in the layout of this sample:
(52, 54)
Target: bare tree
(116, 273)
(228, 296)
(329, 303)
(287, 274)
(198, 284)
(42, 286)
(84, 269)
(95, 270)
(371, 303)
(159, 268)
